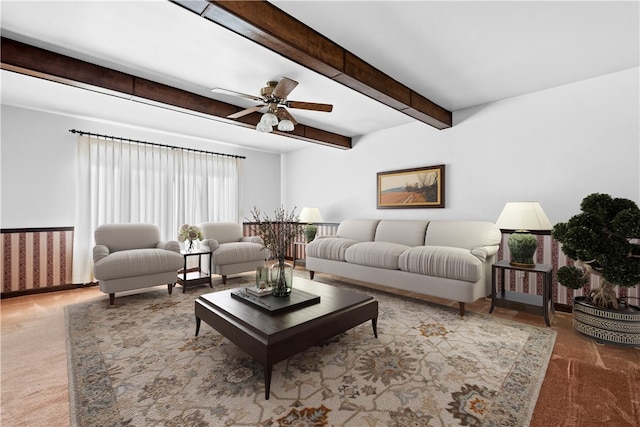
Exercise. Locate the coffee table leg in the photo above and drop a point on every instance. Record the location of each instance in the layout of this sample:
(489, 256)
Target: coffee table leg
(197, 325)
(374, 323)
(267, 381)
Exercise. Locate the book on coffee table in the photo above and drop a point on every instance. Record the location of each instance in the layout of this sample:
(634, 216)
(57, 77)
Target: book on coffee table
(259, 292)
(297, 299)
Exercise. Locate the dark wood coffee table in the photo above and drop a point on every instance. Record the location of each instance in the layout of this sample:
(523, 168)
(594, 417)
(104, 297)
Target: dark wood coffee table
(270, 338)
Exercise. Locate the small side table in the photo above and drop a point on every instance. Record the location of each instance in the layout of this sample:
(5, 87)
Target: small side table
(198, 277)
(295, 252)
(536, 304)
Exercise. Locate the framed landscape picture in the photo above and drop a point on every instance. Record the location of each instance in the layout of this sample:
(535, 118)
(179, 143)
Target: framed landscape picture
(412, 188)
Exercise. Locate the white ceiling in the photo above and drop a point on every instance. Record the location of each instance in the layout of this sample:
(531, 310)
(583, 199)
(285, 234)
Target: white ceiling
(457, 54)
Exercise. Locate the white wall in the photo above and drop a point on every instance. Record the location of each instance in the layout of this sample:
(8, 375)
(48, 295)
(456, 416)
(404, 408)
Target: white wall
(555, 146)
(38, 166)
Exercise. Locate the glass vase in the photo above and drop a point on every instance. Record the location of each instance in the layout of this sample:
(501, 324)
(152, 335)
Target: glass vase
(281, 279)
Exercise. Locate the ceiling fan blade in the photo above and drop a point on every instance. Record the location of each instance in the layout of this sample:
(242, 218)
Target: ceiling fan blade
(310, 106)
(287, 115)
(284, 87)
(245, 112)
(234, 93)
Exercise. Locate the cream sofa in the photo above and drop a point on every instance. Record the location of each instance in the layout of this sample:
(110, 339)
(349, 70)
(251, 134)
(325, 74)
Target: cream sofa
(132, 256)
(446, 259)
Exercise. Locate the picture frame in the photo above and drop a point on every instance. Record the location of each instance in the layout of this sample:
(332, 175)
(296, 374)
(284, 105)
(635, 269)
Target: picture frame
(421, 187)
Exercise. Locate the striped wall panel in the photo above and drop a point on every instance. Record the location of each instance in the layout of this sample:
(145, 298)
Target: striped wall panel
(35, 259)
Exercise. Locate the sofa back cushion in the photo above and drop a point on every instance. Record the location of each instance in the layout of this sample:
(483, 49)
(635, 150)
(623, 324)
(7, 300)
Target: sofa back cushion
(362, 230)
(223, 232)
(463, 234)
(120, 237)
(404, 232)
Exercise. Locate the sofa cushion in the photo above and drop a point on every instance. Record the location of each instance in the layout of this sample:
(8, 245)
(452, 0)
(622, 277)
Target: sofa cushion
(362, 230)
(236, 252)
(331, 248)
(462, 234)
(402, 231)
(136, 262)
(375, 254)
(442, 261)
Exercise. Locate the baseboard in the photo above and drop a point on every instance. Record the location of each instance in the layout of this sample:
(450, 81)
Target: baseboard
(57, 288)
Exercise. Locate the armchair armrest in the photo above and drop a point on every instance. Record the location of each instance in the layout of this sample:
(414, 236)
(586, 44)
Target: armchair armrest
(99, 252)
(252, 239)
(211, 243)
(170, 245)
(484, 252)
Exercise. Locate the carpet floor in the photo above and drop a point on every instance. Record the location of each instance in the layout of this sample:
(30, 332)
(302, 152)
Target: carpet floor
(139, 364)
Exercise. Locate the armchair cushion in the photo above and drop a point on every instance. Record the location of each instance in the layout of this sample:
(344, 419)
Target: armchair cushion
(237, 252)
(136, 262)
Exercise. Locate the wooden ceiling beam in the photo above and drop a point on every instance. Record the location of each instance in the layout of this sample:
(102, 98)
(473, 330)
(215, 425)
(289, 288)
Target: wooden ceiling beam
(268, 26)
(26, 59)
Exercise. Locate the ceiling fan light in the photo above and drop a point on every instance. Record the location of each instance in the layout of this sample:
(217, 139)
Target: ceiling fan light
(285, 125)
(263, 127)
(270, 119)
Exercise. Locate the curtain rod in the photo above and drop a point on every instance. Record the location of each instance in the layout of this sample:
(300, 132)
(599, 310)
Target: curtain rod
(155, 144)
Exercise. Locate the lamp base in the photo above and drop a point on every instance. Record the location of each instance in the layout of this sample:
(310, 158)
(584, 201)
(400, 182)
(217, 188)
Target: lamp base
(522, 246)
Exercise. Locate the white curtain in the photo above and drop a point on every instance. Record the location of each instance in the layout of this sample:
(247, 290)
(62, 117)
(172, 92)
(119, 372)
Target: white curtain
(141, 183)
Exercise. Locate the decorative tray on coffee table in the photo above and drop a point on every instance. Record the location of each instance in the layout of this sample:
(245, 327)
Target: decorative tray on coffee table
(296, 300)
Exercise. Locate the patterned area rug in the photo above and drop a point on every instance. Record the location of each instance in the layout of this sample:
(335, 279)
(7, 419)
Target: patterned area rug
(139, 364)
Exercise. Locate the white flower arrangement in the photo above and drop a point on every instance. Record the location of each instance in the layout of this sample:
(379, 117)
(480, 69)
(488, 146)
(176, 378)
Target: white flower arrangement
(190, 233)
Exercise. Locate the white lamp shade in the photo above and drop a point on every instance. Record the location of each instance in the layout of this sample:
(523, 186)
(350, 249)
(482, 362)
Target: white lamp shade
(285, 125)
(310, 215)
(263, 127)
(523, 216)
(269, 118)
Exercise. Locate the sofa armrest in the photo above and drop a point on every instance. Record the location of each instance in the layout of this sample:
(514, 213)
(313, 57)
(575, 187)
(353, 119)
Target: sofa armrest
(252, 239)
(170, 245)
(99, 252)
(325, 236)
(484, 252)
(212, 244)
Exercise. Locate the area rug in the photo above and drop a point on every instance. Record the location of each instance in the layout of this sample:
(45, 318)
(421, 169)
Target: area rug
(140, 364)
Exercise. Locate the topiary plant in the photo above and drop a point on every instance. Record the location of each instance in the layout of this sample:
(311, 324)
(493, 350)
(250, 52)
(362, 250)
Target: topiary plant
(603, 240)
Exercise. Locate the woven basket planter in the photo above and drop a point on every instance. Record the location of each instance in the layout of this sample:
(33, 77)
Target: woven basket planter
(621, 327)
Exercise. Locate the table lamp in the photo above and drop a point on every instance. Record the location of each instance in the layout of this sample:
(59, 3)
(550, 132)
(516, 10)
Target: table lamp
(522, 217)
(310, 216)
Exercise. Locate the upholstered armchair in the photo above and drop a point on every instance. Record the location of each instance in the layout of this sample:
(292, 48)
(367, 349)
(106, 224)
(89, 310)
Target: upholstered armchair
(131, 256)
(231, 252)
